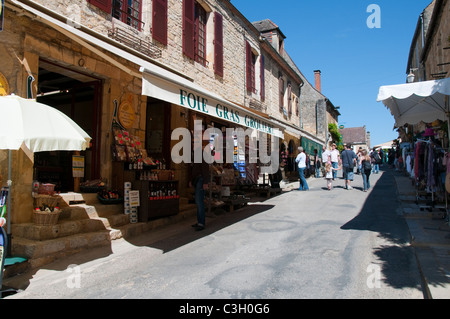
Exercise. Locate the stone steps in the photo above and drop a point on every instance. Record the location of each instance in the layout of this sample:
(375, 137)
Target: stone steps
(84, 225)
(43, 252)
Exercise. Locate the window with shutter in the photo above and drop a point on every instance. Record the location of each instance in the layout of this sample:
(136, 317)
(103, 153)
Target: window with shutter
(289, 93)
(281, 90)
(200, 34)
(159, 23)
(188, 28)
(263, 78)
(128, 12)
(218, 44)
(105, 5)
(250, 68)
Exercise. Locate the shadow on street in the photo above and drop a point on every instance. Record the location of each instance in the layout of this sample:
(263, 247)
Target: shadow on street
(185, 234)
(164, 238)
(382, 214)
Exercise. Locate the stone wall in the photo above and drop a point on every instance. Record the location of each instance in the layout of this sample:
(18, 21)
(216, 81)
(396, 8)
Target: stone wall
(437, 58)
(22, 43)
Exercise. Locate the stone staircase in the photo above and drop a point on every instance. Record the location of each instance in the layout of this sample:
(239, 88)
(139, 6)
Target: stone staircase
(84, 223)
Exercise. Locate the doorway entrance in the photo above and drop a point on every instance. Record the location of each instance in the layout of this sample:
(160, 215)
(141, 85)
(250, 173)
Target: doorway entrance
(158, 130)
(78, 96)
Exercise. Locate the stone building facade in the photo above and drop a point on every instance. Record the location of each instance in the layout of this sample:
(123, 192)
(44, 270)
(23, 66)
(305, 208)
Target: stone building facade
(436, 53)
(103, 53)
(429, 56)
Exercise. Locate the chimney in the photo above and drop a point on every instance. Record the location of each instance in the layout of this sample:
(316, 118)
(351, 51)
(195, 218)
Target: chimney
(318, 80)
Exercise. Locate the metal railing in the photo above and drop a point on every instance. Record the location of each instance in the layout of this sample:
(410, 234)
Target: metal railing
(135, 42)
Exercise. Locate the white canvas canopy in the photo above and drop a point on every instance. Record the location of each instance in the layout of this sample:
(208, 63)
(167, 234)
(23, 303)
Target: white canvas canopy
(39, 127)
(415, 102)
(36, 127)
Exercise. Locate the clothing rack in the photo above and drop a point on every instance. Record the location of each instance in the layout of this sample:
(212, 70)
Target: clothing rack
(425, 176)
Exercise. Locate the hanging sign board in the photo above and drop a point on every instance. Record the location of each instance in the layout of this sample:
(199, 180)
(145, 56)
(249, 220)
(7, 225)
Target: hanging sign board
(77, 166)
(127, 115)
(2, 10)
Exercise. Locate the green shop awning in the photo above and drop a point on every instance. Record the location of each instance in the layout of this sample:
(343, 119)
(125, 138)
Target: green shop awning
(309, 146)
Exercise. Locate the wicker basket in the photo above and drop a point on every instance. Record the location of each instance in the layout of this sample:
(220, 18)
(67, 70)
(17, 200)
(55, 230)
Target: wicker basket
(46, 219)
(50, 201)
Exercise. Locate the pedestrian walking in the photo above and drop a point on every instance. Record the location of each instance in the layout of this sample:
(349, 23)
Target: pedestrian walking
(366, 168)
(301, 160)
(334, 156)
(376, 161)
(325, 159)
(348, 158)
(329, 174)
(359, 155)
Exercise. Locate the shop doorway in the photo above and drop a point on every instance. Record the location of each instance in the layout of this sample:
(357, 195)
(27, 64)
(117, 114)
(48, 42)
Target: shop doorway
(158, 134)
(78, 96)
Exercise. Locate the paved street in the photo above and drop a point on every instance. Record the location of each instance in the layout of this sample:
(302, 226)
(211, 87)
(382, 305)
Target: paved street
(316, 244)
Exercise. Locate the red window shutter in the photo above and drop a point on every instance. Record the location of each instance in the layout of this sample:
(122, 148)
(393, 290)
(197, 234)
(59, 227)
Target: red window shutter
(248, 64)
(281, 89)
(289, 92)
(188, 28)
(159, 24)
(263, 78)
(218, 44)
(105, 5)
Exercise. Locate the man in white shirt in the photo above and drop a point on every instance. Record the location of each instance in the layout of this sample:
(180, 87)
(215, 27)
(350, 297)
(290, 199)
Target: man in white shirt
(301, 160)
(334, 155)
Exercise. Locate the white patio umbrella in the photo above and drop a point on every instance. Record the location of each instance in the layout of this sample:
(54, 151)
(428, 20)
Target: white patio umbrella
(33, 126)
(412, 103)
(40, 127)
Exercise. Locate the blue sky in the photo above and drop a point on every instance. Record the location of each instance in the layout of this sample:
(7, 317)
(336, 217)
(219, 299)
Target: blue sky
(355, 60)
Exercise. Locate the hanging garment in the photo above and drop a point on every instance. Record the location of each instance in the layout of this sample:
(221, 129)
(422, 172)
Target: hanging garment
(408, 164)
(431, 171)
(416, 161)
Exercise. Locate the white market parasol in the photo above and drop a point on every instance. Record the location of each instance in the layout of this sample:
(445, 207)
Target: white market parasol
(412, 103)
(36, 127)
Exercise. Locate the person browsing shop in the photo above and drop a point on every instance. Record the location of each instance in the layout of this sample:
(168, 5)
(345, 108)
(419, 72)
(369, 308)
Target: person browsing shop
(200, 181)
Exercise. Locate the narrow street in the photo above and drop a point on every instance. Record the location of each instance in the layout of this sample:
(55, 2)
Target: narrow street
(317, 244)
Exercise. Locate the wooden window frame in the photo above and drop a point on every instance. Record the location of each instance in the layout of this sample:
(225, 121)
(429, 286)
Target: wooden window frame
(200, 32)
(122, 13)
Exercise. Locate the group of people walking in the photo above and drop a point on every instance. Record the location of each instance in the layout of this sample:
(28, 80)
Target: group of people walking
(332, 161)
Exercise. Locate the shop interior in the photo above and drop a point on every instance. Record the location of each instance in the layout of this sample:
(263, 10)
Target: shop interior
(78, 96)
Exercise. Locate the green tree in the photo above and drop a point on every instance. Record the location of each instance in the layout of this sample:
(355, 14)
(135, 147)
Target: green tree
(336, 136)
